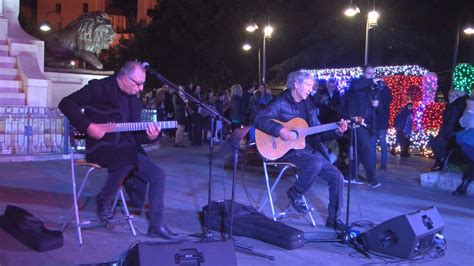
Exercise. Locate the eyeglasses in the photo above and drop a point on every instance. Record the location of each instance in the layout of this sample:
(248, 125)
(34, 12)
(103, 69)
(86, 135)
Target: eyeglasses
(136, 82)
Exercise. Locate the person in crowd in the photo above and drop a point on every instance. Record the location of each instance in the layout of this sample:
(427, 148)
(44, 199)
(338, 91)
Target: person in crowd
(330, 101)
(445, 140)
(127, 158)
(359, 102)
(403, 124)
(237, 108)
(465, 140)
(312, 161)
(266, 93)
(196, 117)
(179, 111)
(382, 101)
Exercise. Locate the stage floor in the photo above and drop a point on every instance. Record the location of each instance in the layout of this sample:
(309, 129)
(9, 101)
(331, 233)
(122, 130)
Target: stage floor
(43, 188)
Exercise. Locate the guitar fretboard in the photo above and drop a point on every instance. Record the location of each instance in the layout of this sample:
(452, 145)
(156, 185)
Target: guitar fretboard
(137, 126)
(319, 129)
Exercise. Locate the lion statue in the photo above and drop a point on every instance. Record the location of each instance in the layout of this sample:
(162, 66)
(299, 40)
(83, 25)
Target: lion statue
(84, 38)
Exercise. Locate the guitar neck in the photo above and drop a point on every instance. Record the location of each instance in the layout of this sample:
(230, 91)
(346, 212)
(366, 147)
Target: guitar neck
(136, 126)
(319, 129)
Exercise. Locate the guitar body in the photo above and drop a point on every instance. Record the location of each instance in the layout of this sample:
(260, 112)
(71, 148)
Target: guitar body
(273, 148)
(103, 117)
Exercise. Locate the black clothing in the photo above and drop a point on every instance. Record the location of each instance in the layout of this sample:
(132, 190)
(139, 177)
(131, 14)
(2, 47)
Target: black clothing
(238, 109)
(382, 112)
(127, 159)
(179, 108)
(358, 102)
(105, 95)
(311, 161)
(445, 141)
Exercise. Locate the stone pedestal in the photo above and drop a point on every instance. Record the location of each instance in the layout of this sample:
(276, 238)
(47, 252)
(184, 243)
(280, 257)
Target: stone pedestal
(443, 180)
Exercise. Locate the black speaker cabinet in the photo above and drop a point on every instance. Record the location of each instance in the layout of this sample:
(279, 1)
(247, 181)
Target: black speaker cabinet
(404, 236)
(215, 253)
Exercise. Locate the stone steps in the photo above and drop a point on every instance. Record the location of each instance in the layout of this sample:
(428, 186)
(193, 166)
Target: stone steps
(7, 62)
(12, 98)
(4, 50)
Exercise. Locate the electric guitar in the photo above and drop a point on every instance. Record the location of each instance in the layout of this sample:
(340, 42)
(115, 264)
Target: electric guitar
(113, 129)
(273, 148)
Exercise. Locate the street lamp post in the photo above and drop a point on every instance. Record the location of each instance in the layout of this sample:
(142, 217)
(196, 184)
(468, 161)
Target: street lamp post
(371, 22)
(469, 30)
(262, 57)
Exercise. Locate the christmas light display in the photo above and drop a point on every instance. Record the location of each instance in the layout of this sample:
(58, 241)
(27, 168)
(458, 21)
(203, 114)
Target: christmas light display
(409, 83)
(464, 77)
(430, 85)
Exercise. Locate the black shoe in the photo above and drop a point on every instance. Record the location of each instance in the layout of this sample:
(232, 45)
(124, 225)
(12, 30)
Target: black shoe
(461, 190)
(336, 224)
(179, 145)
(436, 168)
(161, 232)
(104, 209)
(296, 200)
(383, 168)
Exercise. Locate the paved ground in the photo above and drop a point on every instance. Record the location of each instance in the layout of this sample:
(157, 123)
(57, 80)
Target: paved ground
(43, 188)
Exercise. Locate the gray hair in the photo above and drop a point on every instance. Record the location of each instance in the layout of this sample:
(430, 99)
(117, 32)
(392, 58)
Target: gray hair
(298, 77)
(129, 68)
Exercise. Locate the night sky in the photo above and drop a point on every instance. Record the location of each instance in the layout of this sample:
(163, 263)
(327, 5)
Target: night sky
(308, 34)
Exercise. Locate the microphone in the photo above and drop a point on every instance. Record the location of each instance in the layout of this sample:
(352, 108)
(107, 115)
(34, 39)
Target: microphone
(145, 65)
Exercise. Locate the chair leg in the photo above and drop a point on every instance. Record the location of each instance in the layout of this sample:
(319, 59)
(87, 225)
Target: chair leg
(271, 189)
(312, 222)
(127, 213)
(76, 197)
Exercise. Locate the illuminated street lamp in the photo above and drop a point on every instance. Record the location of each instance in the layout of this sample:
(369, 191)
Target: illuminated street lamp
(351, 10)
(267, 34)
(469, 29)
(45, 26)
(372, 18)
(246, 47)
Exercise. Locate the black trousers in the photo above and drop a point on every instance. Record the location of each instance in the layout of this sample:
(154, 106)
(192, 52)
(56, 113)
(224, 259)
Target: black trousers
(364, 153)
(311, 164)
(404, 143)
(149, 172)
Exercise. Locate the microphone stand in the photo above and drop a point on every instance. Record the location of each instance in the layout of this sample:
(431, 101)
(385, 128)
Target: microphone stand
(207, 233)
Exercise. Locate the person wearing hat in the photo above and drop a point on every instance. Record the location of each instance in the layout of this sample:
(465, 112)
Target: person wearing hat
(445, 141)
(465, 140)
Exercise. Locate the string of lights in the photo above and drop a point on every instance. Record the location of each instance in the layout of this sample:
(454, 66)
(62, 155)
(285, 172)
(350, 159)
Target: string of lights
(409, 83)
(464, 78)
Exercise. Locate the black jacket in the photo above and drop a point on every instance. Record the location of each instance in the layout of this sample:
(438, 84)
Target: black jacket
(104, 95)
(382, 112)
(357, 101)
(284, 108)
(451, 117)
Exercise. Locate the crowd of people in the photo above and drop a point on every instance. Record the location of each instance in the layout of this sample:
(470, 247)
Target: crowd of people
(367, 97)
(364, 107)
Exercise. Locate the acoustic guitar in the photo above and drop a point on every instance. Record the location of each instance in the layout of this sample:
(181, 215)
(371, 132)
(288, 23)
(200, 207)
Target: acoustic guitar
(273, 148)
(113, 129)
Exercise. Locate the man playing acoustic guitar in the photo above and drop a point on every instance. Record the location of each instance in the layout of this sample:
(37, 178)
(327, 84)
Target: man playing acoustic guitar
(126, 157)
(312, 160)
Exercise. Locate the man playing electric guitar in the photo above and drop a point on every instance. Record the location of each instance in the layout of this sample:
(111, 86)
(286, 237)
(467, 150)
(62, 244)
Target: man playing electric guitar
(126, 157)
(312, 160)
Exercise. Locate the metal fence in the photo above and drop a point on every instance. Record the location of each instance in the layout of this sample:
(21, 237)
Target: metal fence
(38, 130)
(31, 130)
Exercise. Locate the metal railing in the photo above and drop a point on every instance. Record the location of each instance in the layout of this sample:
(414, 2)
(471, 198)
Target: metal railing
(38, 130)
(31, 130)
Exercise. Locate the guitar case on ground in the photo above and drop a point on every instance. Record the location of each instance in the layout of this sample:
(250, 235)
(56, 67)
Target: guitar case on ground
(249, 222)
(30, 230)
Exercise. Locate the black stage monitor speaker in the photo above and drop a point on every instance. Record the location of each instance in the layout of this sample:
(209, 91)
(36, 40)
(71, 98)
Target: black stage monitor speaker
(215, 253)
(405, 236)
